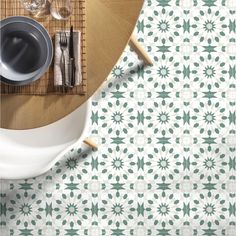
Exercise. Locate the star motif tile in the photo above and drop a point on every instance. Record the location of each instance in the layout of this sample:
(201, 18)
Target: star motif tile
(166, 162)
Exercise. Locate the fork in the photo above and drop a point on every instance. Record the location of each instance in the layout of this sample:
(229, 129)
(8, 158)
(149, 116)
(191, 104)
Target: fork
(63, 45)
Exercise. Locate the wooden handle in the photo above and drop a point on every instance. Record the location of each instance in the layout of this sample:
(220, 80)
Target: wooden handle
(139, 50)
(90, 143)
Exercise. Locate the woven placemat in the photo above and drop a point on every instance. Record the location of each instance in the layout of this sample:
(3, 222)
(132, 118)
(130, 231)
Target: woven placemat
(45, 85)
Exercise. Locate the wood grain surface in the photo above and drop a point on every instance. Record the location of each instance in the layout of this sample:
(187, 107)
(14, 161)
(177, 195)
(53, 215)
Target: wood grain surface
(110, 24)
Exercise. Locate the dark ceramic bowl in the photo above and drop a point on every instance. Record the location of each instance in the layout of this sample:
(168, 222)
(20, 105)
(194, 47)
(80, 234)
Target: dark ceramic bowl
(26, 50)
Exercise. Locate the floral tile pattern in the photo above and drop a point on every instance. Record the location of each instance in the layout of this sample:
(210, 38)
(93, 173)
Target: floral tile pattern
(166, 163)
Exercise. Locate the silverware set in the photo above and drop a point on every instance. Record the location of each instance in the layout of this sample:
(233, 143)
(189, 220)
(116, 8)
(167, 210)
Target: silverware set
(63, 42)
(63, 45)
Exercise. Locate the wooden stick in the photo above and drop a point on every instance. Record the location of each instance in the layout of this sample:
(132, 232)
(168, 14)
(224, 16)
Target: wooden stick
(139, 50)
(90, 143)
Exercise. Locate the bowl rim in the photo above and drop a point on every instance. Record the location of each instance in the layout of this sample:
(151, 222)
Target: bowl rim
(48, 40)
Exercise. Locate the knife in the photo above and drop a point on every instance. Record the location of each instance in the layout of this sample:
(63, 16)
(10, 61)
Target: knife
(72, 67)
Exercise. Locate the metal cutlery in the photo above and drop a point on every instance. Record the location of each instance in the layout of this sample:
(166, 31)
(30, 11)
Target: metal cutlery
(72, 67)
(63, 45)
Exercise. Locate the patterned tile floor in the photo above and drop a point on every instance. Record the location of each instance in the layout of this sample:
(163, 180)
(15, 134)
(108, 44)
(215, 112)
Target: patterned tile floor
(166, 164)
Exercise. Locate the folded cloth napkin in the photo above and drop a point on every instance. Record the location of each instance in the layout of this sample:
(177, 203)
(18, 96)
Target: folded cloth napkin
(57, 58)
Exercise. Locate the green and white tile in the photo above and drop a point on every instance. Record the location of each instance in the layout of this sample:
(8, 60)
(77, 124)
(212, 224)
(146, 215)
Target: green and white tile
(166, 163)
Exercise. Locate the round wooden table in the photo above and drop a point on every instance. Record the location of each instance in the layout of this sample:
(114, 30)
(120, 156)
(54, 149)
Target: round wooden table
(110, 24)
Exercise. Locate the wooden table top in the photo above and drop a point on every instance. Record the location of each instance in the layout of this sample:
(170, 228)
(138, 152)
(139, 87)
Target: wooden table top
(110, 24)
